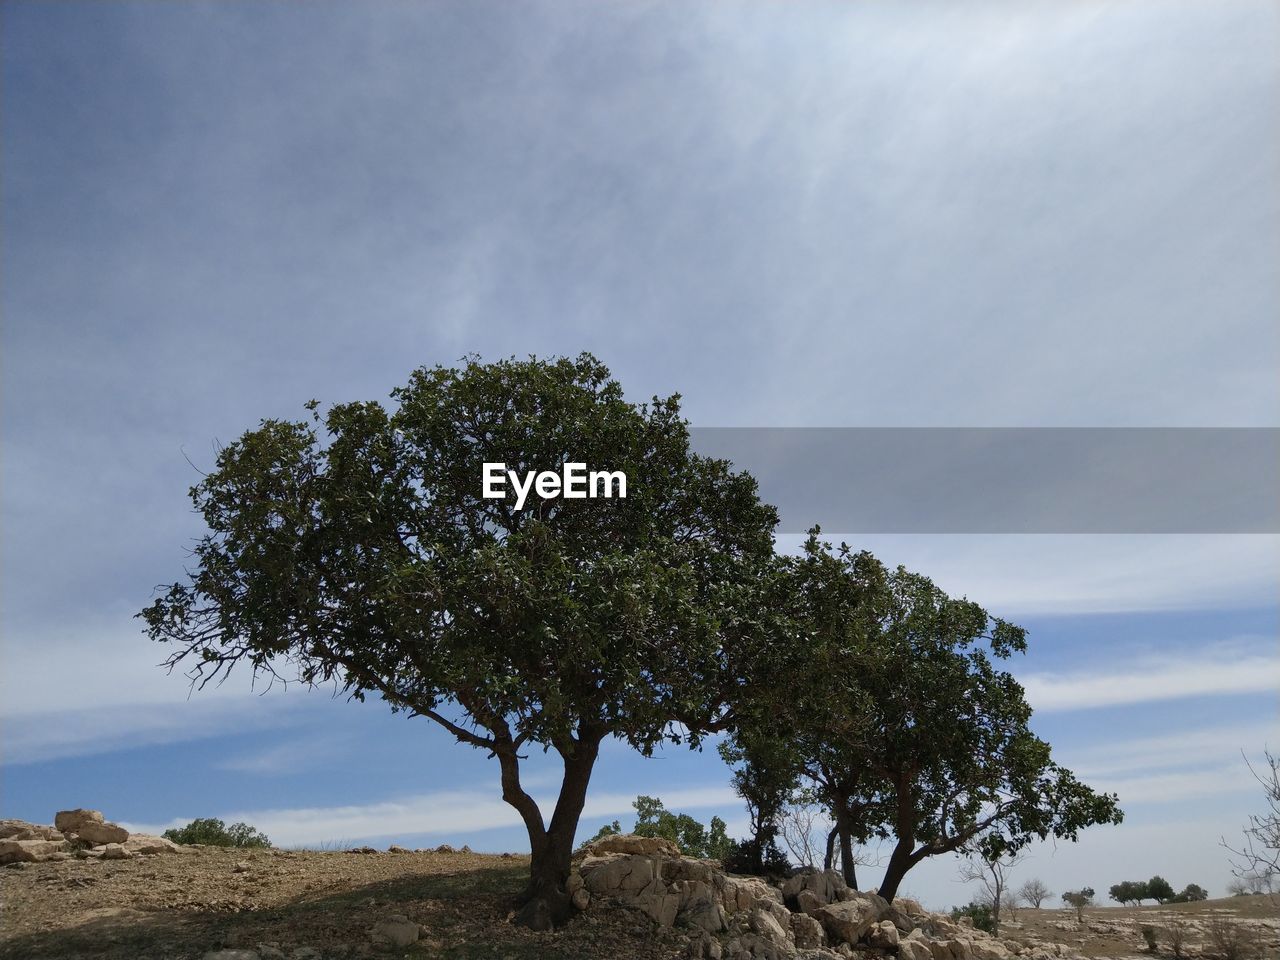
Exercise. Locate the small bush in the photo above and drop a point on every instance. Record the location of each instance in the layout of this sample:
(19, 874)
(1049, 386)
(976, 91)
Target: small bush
(1231, 941)
(979, 913)
(1149, 935)
(741, 857)
(215, 833)
(1177, 934)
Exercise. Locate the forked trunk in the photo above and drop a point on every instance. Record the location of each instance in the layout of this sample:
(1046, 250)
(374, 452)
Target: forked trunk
(546, 902)
(899, 863)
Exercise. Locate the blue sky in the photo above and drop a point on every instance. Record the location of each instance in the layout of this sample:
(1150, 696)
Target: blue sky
(827, 214)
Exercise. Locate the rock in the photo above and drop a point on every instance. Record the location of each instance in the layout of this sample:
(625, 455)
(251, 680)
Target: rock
(630, 843)
(21, 830)
(766, 925)
(30, 851)
(806, 932)
(988, 949)
(98, 833)
(305, 953)
(466, 849)
(269, 951)
(445, 848)
(614, 876)
(581, 899)
(241, 867)
(70, 821)
(828, 886)
(395, 848)
(883, 935)
(909, 949)
(142, 843)
(397, 931)
(232, 955)
(114, 851)
(848, 920)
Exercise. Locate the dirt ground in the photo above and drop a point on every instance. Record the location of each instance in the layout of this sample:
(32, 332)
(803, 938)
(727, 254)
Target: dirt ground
(321, 905)
(178, 907)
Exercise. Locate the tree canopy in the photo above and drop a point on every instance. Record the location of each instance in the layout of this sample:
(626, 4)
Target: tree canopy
(355, 547)
(895, 709)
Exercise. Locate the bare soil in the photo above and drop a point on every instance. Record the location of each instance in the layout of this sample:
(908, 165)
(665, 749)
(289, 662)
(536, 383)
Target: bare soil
(178, 907)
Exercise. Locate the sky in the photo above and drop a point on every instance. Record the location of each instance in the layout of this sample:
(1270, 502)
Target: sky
(820, 214)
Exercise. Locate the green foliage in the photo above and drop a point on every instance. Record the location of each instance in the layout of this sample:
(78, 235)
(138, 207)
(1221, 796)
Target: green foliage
(1159, 889)
(757, 859)
(1191, 893)
(1079, 899)
(214, 832)
(979, 913)
(1129, 891)
(355, 548)
(693, 838)
(894, 710)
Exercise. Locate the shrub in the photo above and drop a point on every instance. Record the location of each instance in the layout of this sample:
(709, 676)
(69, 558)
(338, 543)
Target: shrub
(1079, 899)
(979, 913)
(215, 833)
(1231, 941)
(1149, 935)
(1191, 893)
(1177, 934)
(741, 858)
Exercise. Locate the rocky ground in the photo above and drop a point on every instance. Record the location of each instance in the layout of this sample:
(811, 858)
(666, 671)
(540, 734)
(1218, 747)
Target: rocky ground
(641, 902)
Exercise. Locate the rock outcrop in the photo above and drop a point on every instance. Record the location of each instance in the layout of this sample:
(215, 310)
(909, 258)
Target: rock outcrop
(79, 833)
(812, 915)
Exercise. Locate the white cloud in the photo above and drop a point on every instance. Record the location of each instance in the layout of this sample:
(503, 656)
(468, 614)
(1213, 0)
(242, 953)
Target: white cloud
(447, 813)
(1213, 669)
(1213, 744)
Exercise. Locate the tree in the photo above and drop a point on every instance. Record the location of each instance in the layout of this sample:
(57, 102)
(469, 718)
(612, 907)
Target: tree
(1192, 893)
(1257, 860)
(212, 831)
(357, 549)
(1079, 899)
(693, 839)
(1130, 891)
(990, 866)
(895, 711)
(1159, 889)
(1034, 892)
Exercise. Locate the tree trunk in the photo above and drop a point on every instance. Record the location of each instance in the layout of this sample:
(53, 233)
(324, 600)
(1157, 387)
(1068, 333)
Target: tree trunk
(546, 903)
(900, 862)
(847, 865)
(829, 860)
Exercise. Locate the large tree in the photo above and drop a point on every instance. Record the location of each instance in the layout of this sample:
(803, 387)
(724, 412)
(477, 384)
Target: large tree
(356, 547)
(895, 709)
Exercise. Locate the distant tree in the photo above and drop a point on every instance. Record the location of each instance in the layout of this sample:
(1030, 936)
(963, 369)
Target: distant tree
(1160, 890)
(357, 549)
(895, 710)
(1191, 893)
(1238, 888)
(1034, 892)
(693, 839)
(1257, 860)
(1079, 899)
(212, 831)
(608, 830)
(979, 913)
(1130, 891)
(989, 865)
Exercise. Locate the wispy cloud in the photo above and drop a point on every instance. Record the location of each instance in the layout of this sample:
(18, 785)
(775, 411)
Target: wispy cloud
(1180, 749)
(448, 813)
(1213, 669)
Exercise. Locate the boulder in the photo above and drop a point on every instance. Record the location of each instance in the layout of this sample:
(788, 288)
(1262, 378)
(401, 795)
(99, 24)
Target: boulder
(618, 875)
(910, 949)
(98, 833)
(766, 925)
(807, 932)
(395, 931)
(849, 919)
(21, 830)
(31, 851)
(827, 886)
(883, 935)
(630, 843)
(70, 821)
(142, 843)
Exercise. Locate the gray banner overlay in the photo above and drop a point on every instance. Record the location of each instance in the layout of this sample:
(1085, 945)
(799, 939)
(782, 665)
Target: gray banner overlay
(1010, 480)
